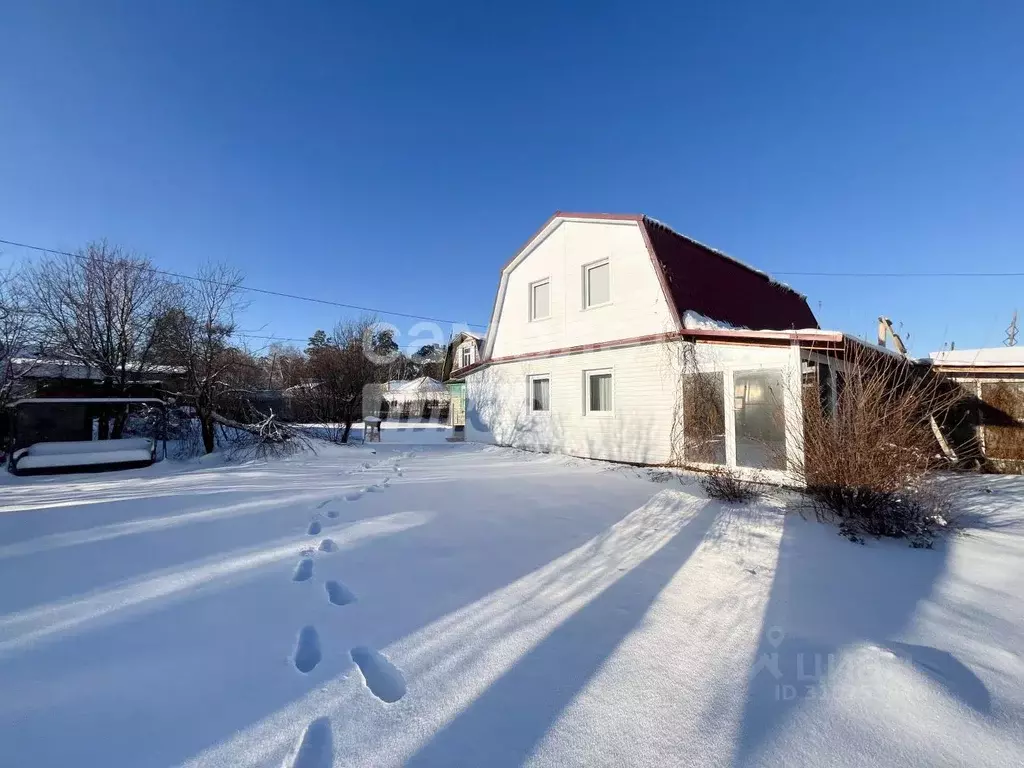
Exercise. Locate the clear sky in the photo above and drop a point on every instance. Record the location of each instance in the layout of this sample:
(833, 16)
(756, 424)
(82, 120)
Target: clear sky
(396, 154)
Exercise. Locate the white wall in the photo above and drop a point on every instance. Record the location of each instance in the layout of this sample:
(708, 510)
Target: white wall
(637, 306)
(640, 427)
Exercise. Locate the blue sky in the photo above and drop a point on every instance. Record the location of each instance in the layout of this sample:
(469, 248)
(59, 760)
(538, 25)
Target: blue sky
(396, 154)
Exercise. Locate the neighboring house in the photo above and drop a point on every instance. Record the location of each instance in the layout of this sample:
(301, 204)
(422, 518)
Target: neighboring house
(422, 398)
(996, 377)
(463, 351)
(601, 322)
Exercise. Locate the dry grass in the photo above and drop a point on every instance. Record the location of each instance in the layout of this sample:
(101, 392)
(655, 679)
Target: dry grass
(725, 485)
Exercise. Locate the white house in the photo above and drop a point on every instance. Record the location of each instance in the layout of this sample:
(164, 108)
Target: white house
(604, 324)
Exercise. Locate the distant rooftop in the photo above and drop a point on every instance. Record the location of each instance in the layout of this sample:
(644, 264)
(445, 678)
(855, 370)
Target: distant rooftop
(989, 356)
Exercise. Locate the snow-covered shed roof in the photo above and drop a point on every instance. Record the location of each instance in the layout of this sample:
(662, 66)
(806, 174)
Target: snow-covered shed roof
(984, 357)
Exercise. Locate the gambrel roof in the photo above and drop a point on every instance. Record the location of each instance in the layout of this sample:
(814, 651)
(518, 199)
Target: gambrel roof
(694, 277)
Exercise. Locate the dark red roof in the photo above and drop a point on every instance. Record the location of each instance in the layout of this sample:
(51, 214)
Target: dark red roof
(701, 279)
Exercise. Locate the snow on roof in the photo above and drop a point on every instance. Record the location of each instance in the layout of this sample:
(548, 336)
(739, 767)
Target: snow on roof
(1012, 356)
(422, 385)
(76, 369)
(696, 321)
(85, 401)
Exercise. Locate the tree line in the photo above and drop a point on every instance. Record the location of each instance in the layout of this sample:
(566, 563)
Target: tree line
(137, 327)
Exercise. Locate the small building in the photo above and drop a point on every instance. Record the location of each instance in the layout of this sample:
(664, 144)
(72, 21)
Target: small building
(604, 325)
(994, 375)
(423, 398)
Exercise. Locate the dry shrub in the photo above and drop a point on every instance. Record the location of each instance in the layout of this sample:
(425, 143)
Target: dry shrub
(725, 485)
(262, 436)
(867, 459)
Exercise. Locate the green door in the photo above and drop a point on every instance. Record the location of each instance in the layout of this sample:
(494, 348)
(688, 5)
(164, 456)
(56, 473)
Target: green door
(458, 407)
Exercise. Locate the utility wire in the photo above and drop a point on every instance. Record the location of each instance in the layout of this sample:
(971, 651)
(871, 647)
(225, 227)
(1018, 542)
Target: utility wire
(898, 274)
(265, 291)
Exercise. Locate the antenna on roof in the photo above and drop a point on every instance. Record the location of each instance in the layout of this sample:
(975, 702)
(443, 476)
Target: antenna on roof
(1011, 332)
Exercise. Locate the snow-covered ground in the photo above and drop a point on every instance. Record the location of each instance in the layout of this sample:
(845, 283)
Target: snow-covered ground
(455, 605)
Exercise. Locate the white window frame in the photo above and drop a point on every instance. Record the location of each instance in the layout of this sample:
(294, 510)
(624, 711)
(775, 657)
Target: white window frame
(586, 391)
(532, 307)
(465, 356)
(586, 284)
(529, 391)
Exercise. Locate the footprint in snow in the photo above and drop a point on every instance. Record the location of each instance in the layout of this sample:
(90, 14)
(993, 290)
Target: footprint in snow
(324, 503)
(314, 528)
(304, 570)
(374, 489)
(332, 513)
(328, 545)
(383, 678)
(307, 650)
(338, 593)
(315, 748)
(354, 496)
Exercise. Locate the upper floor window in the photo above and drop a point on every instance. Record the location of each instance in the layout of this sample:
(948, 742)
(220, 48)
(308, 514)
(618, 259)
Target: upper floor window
(596, 285)
(467, 357)
(540, 300)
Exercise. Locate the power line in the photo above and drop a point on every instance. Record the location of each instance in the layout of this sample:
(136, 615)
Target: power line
(897, 274)
(265, 291)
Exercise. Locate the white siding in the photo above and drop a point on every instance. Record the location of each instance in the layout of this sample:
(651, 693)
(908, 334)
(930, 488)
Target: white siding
(637, 306)
(640, 427)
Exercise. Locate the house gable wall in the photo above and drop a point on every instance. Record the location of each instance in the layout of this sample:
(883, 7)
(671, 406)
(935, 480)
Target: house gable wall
(637, 307)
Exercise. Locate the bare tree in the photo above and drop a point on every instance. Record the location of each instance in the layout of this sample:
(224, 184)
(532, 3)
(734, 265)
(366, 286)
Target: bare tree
(101, 307)
(340, 371)
(196, 335)
(15, 331)
(285, 366)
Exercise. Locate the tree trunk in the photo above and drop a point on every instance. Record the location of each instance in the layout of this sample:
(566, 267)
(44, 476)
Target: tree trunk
(103, 425)
(348, 428)
(120, 418)
(209, 441)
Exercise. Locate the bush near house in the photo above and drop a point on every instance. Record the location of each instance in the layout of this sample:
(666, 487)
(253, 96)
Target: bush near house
(869, 459)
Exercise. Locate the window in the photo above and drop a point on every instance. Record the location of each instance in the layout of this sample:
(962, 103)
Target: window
(596, 288)
(760, 419)
(540, 300)
(540, 393)
(704, 418)
(467, 356)
(599, 391)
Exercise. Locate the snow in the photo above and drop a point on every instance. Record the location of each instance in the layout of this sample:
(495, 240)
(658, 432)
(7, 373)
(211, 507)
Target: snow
(696, 321)
(81, 453)
(414, 389)
(407, 432)
(53, 461)
(492, 607)
(88, 401)
(58, 448)
(1009, 356)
